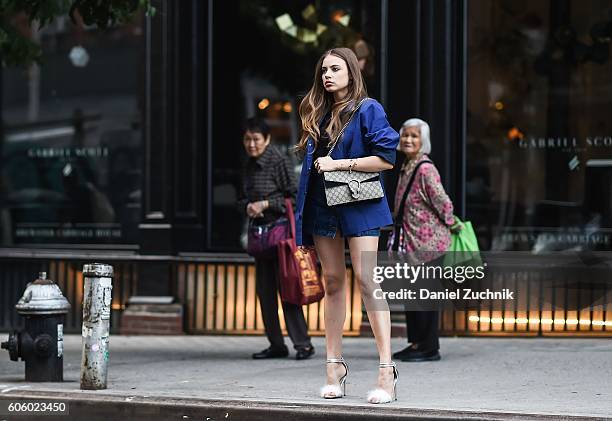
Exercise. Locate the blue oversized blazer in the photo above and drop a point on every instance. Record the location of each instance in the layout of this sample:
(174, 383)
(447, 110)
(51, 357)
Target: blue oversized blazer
(367, 134)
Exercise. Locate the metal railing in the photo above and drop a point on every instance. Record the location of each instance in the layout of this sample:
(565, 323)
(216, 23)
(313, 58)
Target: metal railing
(219, 297)
(67, 273)
(218, 294)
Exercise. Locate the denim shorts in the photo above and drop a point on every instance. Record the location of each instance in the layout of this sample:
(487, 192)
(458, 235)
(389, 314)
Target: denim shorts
(323, 221)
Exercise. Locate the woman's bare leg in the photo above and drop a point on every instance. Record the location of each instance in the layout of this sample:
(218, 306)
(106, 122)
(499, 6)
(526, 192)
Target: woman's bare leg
(331, 254)
(378, 310)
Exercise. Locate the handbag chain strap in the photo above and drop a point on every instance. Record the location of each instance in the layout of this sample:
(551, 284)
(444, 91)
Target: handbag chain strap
(400, 212)
(346, 125)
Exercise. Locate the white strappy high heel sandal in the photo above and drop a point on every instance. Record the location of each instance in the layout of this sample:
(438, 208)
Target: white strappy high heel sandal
(333, 391)
(379, 395)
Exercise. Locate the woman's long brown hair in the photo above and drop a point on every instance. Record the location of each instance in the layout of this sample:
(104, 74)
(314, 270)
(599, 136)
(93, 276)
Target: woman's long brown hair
(318, 101)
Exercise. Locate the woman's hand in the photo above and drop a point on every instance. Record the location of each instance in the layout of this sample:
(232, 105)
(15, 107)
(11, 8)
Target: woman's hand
(325, 163)
(457, 226)
(255, 209)
(365, 163)
(307, 249)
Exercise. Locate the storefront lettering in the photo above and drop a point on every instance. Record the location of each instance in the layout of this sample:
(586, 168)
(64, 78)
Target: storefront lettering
(565, 142)
(85, 152)
(573, 238)
(599, 141)
(548, 143)
(73, 233)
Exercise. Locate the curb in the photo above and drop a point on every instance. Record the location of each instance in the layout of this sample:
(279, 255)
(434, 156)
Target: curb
(93, 406)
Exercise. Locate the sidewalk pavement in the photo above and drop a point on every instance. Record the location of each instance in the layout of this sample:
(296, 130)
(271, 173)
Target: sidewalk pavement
(214, 378)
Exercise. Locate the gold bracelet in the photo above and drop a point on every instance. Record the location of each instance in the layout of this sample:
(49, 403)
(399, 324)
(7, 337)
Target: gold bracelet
(352, 165)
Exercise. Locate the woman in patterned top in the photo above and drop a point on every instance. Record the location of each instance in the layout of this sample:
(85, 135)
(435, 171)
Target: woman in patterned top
(426, 227)
(266, 181)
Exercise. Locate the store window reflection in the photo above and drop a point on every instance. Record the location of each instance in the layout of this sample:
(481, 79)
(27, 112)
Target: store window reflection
(539, 146)
(263, 58)
(71, 144)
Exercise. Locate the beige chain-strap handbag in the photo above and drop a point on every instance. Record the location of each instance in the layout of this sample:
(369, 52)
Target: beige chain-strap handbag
(345, 187)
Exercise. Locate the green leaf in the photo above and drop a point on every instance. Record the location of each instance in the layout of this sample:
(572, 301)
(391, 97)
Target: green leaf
(15, 49)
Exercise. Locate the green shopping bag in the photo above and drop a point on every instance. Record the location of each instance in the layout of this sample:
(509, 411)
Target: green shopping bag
(464, 248)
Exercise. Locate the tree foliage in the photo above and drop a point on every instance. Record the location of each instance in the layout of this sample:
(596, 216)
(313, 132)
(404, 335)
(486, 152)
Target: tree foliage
(16, 44)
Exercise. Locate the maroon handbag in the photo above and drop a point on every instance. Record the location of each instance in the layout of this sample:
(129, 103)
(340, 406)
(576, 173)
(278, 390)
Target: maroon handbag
(300, 282)
(262, 240)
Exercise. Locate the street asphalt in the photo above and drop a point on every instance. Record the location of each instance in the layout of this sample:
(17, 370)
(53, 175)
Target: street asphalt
(477, 378)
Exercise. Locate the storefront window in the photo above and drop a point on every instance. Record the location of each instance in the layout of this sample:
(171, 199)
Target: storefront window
(539, 145)
(264, 55)
(71, 142)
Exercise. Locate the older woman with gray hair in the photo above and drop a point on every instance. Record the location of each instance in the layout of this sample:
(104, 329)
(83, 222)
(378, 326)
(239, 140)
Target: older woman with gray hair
(426, 215)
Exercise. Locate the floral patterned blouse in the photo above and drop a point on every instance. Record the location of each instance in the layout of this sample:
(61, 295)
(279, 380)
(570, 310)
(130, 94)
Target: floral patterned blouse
(428, 212)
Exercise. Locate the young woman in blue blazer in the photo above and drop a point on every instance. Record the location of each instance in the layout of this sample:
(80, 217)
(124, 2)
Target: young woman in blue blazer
(367, 144)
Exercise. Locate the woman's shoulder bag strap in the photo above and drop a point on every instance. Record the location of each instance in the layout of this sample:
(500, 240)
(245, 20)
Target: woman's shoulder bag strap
(346, 124)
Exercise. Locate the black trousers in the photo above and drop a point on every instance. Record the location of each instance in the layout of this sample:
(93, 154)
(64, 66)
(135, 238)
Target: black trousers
(422, 329)
(422, 326)
(267, 283)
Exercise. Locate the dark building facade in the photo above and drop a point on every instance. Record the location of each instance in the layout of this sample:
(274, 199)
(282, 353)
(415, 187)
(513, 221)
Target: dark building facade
(128, 150)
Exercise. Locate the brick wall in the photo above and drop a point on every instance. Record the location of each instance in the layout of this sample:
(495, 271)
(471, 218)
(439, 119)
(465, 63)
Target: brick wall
(152, 320)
